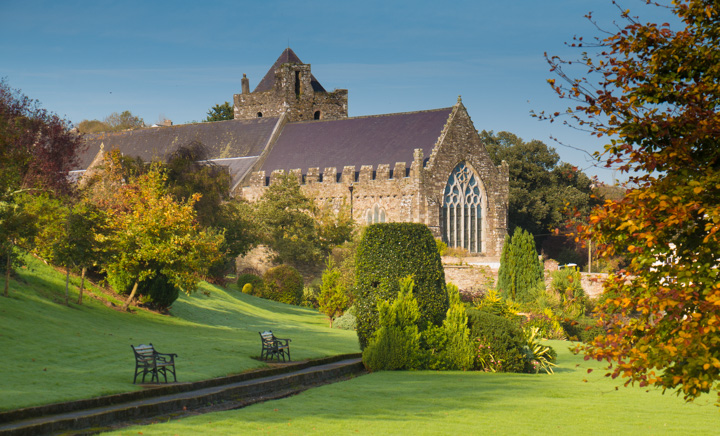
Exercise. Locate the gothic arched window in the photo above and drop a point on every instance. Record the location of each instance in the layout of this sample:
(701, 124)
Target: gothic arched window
(375, 215)
(461, 211)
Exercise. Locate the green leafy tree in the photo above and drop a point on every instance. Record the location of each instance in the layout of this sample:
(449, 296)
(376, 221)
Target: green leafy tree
(333, 297)
(520, 271)
(123, 121)
(285, 218)
(148, 232)
(221, 112)
(654, 91)
(15, 224)
(543, 190)
(92, 126)
(190, 172)
(37, 149)
(77, 247)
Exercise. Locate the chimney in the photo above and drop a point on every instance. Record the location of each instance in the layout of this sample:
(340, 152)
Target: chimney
(245, 84)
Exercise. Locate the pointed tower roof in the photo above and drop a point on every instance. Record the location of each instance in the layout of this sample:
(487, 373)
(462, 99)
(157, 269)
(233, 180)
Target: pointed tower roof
(286, 57)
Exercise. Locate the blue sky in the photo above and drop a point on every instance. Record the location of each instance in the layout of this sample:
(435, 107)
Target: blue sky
(176, 59)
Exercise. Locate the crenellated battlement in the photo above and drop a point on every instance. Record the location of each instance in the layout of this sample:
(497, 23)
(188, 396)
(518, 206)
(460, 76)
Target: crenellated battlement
(367, 174)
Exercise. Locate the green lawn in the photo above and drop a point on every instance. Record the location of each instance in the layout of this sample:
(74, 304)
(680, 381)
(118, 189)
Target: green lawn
(51, 352)
(465, 403)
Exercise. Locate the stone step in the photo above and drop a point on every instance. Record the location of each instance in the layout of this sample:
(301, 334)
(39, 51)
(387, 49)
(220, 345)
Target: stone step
(103, 413)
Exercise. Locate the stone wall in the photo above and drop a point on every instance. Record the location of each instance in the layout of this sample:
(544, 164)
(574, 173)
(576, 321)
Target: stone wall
(394, 192)
(300, 102)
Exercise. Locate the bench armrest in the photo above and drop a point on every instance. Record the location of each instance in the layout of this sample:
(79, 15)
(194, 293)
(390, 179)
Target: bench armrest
(162, 356)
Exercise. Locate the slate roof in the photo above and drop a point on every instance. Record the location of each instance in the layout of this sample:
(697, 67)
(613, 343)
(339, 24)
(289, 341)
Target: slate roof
(287, 56)
(224, 139)
(371, 140)
(237, 166)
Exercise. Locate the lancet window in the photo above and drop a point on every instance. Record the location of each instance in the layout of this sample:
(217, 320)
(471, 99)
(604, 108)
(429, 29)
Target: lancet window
(461, 212)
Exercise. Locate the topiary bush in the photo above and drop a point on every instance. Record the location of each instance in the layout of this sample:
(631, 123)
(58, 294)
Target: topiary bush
(252, 279)
(500, 342)
(388, 252)
(283, 284)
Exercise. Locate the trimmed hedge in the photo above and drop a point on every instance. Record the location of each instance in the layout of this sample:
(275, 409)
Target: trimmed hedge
(283, 284)
(388, 252)
(504, 338)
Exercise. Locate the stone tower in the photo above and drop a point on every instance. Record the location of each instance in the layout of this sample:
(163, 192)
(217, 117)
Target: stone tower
(289, 87)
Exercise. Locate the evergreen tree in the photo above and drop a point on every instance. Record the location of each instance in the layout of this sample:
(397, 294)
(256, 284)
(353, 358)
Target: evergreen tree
(520, 268)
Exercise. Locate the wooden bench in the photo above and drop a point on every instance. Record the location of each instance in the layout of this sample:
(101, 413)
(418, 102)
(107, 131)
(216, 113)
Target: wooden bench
(273, 347)
(149, 361)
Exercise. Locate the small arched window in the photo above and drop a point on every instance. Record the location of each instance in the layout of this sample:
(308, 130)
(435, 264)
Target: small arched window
(259, 115)
(316, 115)
(375, 214)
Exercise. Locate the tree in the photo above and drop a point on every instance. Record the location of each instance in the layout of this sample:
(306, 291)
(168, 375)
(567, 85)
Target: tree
(15, 224)
(114, 122)
(541, 187)
(123, 121)
(77, 246)
(655, 92)
(190, 172)
(285, 218)
(520, 268)
(148, 233)
(333, 298)
(221, 112)
(92, 126)
(37, 149)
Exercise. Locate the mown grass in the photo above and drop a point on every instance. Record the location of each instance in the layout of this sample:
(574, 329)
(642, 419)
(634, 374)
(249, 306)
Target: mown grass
(52, 352)
(439, 403)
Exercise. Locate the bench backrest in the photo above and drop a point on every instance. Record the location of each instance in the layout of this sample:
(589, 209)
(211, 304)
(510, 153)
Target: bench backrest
(267, 336)
(144, 353)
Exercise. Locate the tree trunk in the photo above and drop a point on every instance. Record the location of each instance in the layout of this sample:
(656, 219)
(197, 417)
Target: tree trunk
(130, 298)
(82, 284)
(67, 286)
(7, 272)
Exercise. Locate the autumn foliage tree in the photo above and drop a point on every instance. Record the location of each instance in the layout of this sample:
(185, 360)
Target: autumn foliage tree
(655, 92)
(149, 233)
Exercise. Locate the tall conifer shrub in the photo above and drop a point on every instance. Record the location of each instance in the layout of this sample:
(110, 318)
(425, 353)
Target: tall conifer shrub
(520, 268)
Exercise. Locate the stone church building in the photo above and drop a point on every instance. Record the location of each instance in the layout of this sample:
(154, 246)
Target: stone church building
(428, 166)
